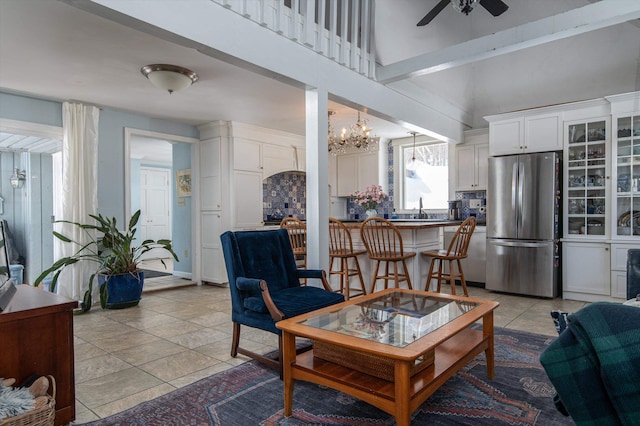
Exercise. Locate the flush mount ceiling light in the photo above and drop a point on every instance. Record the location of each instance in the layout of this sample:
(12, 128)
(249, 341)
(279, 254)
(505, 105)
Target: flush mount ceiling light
(169, 77)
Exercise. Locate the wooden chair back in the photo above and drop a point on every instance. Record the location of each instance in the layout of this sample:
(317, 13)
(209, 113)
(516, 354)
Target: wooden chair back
(460, 242)
(340, 241)
(297, 231)
(381, 238)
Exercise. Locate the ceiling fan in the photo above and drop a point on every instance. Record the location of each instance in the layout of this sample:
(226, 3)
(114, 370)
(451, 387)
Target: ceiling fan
(494, 7)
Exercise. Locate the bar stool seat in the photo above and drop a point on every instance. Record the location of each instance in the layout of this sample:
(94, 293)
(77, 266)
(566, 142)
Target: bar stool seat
(341, 249)
(384, 244)
(457, 250)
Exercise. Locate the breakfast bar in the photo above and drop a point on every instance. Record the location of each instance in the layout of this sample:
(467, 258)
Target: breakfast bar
(418, 235)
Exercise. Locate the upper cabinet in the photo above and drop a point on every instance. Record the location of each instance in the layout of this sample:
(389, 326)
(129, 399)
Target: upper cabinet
(517, 133)
(355, 172)
(247, 155)
(277, 159)
(472, 160)
(587, 177)
(626, 174)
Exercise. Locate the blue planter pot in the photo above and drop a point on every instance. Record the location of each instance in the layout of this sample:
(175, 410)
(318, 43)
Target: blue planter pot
(123, 291)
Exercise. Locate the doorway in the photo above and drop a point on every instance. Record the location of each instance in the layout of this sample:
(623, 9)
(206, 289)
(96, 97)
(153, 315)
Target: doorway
(152, 161)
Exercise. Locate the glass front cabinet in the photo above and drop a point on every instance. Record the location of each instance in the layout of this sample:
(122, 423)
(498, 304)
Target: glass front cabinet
(587, 177)
(626, 168)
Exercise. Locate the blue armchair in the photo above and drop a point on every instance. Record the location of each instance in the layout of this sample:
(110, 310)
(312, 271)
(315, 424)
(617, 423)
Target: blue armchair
(265, 285)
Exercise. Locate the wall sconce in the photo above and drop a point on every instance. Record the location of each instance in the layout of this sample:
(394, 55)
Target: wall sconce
(17, 178)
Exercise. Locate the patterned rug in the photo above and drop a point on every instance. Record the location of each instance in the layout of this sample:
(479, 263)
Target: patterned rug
(251, 394)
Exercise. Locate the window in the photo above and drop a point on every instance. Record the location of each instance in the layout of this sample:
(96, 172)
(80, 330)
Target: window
(423, 173)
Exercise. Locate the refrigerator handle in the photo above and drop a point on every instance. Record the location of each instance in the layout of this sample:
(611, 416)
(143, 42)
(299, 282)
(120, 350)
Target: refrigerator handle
(514, 182)
(518, 244)
(521, 178)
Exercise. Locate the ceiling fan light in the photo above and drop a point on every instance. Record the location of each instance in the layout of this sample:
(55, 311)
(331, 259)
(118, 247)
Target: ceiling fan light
(171, 78)
(463, 6)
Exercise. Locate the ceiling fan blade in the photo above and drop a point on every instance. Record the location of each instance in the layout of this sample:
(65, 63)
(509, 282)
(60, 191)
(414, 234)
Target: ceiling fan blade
(494, 7)
(433, 13)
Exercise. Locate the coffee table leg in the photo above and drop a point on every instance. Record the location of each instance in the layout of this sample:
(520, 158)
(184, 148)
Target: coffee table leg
(487, 330)
(402, 394)
(289, 357)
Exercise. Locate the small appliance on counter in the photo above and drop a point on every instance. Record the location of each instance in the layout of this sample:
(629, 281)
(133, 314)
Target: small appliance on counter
(455, 209)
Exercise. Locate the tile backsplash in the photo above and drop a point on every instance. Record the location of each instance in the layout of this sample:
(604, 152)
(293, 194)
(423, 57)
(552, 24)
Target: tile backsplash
(284, 195)
(479, 212)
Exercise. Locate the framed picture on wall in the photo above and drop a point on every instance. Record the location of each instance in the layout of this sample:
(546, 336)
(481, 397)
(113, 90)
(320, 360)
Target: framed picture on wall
(183, 183)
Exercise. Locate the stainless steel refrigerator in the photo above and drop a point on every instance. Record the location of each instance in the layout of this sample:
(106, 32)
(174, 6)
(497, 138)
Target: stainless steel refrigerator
(523, 202)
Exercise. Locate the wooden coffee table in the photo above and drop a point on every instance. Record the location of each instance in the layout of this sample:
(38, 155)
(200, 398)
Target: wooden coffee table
(397, 327)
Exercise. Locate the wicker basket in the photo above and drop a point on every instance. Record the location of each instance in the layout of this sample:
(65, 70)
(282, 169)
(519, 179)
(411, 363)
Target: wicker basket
(363, 362)
(43, 415)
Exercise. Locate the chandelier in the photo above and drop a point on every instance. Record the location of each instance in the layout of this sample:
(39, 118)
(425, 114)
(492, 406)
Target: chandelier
(337, 145)
(359, 137)
(463, 6)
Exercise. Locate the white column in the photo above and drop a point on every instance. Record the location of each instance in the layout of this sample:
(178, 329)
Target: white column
(317, 179)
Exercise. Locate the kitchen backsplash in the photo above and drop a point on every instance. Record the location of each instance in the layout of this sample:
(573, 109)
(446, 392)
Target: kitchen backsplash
(284, 195)
(479, 212)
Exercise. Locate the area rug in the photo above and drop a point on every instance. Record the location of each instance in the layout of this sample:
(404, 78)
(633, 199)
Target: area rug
(148, 273)
(251, 394)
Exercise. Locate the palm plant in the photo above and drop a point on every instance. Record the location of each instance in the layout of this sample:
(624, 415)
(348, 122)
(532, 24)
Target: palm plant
(112, 251)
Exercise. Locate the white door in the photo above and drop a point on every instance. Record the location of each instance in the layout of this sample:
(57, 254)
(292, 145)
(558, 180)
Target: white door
(155, 216)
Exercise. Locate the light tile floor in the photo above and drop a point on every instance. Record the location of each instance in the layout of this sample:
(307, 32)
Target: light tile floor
(176, 337)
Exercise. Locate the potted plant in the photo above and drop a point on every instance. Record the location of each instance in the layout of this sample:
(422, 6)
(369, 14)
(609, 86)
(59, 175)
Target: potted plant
(116, 259)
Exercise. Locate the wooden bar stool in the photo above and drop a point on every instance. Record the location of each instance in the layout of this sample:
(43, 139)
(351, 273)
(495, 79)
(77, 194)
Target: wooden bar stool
(341, 249)
(457, 250)
(297, 231)
(384, 244)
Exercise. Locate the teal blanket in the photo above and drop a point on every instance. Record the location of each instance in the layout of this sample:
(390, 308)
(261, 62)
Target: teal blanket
(595, 363)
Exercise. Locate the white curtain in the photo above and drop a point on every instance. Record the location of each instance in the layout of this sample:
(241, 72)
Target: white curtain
(79, 192)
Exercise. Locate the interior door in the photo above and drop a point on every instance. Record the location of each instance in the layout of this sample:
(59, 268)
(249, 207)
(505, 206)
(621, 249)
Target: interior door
(155, 215)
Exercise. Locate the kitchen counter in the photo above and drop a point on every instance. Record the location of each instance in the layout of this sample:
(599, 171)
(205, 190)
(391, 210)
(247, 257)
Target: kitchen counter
(411, 223)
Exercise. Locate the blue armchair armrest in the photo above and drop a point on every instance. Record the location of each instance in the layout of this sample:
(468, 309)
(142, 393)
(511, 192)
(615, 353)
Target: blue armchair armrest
(315, 273)
(248, 284)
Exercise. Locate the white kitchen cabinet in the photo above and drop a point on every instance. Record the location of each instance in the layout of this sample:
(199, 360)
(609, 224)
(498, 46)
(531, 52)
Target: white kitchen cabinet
(619, 269)
(543, 133)
(355, 172)
(472, 163)
(277, 159)
(626, 177)
(247, 200)
(506, 136)
(212, 265)
(525, 133)
(210, 174)
(475, 264)
(586, 271)
(247, 155)
(586, 176)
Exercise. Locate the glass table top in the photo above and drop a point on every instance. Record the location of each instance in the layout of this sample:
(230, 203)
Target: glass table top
(396, 319)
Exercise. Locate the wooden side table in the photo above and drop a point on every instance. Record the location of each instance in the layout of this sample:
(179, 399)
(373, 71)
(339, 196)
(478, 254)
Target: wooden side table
(36, 331)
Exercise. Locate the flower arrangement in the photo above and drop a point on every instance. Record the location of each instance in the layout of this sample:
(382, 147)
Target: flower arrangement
(370, 197)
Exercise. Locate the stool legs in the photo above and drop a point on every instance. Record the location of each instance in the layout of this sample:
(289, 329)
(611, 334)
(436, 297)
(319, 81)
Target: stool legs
(397, 277)
(439, 275)
(345, 275)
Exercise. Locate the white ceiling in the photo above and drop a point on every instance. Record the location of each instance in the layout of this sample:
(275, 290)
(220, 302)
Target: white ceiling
(53, 50)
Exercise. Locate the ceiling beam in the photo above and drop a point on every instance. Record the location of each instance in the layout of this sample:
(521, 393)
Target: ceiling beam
(588, 18)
